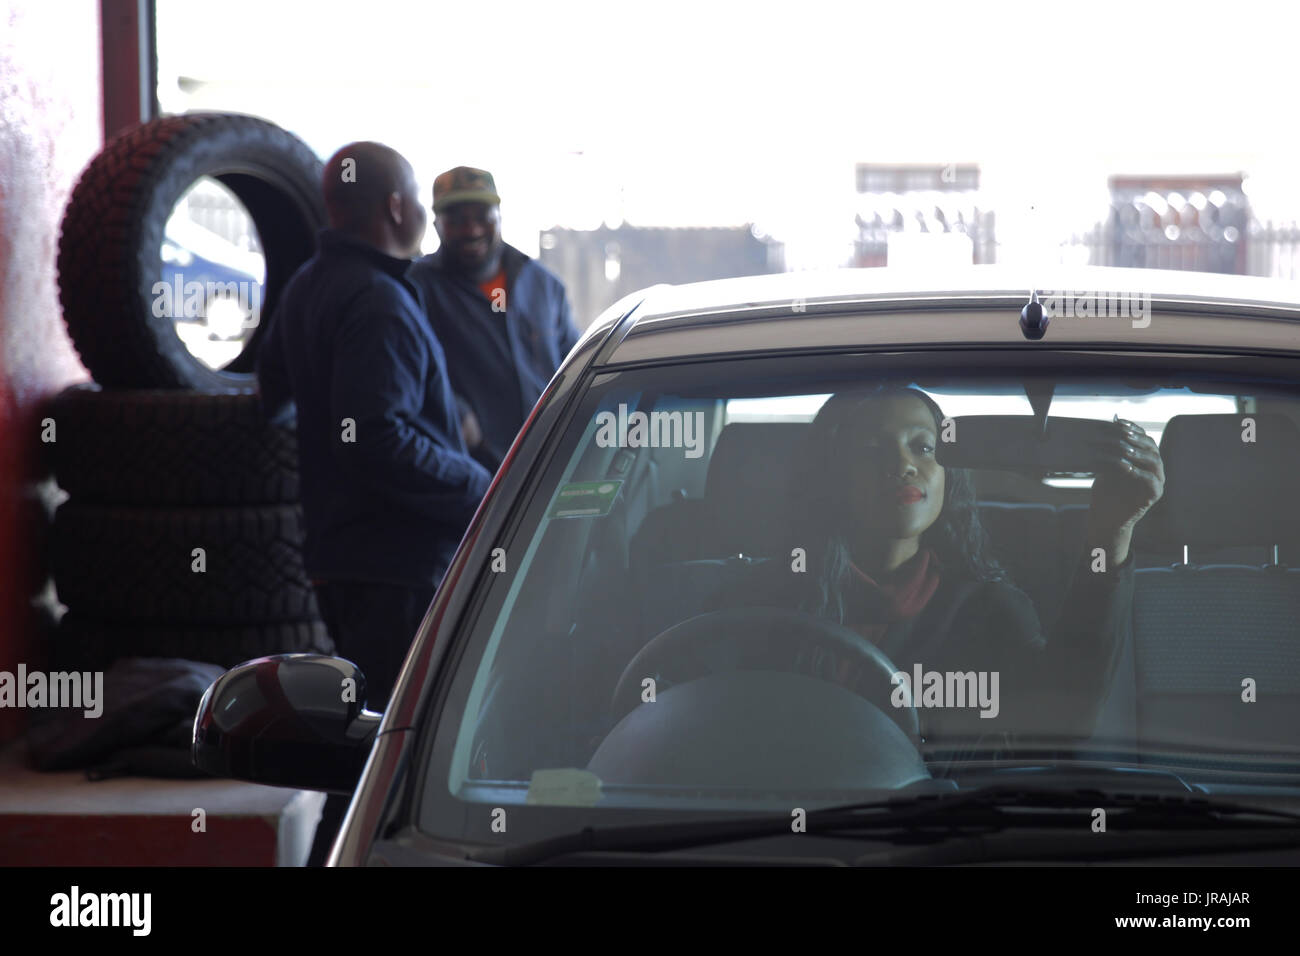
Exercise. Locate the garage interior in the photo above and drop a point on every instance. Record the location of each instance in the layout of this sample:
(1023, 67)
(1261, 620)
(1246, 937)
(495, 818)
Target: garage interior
(86, 519)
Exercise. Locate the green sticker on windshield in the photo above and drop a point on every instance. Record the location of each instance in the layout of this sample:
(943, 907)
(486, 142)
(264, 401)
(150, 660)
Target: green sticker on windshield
(585, 499)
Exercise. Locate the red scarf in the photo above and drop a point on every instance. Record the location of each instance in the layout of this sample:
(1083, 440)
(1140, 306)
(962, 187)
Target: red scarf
(902, 594)
(872, 607)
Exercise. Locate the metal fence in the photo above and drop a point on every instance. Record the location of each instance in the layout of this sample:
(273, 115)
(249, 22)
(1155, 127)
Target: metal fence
(1255, 248)
(1198, 223)
(1273, 250)
(212, 206)
(877, 225)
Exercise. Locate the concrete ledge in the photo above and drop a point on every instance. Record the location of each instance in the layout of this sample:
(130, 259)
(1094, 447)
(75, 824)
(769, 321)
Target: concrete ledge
(63, 819)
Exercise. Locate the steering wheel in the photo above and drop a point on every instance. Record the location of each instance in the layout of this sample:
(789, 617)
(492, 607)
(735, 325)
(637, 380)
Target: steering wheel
(762, 638)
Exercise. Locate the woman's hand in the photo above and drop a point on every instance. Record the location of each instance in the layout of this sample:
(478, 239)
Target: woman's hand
(1130, 479)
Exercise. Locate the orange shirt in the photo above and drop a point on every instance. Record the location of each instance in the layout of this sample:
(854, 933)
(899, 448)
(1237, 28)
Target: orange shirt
(491, 286)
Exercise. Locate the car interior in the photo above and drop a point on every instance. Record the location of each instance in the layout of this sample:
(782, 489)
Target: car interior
(1217, 600)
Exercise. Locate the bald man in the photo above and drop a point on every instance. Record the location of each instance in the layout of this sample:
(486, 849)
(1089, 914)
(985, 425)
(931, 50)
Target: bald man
(388, 486)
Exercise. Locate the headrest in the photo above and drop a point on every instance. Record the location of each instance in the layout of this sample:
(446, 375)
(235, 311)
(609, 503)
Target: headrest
(754, 455)
(748, 487)
(1223, 489)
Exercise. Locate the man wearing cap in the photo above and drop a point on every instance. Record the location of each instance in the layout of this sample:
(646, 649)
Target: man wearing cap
(503, 319)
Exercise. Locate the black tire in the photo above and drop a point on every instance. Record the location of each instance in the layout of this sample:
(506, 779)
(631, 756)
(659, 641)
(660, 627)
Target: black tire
(36, 468)
(43, 624)
(169, 448)
(111, 241)
(34, 530)
(87, 644)
(136, 564)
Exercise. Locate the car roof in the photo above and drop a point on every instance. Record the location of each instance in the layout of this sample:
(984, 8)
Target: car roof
(849, 308)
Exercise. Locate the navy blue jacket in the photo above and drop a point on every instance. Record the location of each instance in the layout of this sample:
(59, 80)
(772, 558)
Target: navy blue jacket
(388, 497)
(500, 363)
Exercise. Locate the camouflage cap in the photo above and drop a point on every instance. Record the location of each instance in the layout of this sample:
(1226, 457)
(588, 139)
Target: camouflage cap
(464, 184)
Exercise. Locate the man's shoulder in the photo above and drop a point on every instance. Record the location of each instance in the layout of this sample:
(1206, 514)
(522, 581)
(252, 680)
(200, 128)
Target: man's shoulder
(426, 267)
(344, 279)
(378, 287)
(353, 282)
(537, 272)
(305, 276)
(431, 279)
(376, 305)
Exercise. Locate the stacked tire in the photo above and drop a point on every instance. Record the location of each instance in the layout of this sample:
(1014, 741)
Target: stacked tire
(181, 534)
(38, 498)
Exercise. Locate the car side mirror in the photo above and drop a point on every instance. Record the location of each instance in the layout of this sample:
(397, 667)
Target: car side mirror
(291, 720)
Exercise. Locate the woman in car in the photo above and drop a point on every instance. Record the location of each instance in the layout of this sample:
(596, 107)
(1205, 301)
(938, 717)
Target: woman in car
(895, 551)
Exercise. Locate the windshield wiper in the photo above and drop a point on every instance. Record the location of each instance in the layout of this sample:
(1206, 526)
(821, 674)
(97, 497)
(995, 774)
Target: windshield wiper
(926, 819)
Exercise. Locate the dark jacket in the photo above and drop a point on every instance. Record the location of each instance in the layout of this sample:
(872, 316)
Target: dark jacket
(388, 486)
(1050, 685)
(499, 363)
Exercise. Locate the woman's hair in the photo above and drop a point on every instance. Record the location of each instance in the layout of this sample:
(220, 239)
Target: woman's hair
(823, 504)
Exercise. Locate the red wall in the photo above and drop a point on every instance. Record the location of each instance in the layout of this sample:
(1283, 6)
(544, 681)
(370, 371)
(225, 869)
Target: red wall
(50, 123)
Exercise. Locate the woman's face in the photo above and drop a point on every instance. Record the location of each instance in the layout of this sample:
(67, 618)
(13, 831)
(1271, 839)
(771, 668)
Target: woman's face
(897, 486)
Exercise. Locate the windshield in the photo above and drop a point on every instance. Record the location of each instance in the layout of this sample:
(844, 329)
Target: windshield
(789, 583)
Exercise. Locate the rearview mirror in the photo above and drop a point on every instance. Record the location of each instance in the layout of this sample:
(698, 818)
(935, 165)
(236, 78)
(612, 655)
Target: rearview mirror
(1019, 443)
